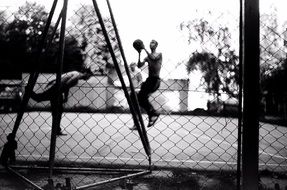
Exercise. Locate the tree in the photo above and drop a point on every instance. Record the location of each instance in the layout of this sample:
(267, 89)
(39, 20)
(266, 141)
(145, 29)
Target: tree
(8, 68)
(273, 83)
(220, 76)
(73, 58)
(272, 54)
(86, 28)
(24, 34)
(3, 24)
(215, 58)
(273, 58)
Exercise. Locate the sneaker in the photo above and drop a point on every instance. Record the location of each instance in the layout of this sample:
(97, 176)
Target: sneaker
(133, 128)
(152, 120)
(60, 133)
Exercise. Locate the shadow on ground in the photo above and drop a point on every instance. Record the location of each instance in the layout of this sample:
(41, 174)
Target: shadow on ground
(157, 180)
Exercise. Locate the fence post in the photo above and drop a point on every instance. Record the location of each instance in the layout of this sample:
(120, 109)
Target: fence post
(250, 140)
(183, 95)
(110, 96)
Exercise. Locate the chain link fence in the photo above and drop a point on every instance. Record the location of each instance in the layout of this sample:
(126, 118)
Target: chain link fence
(198, 125)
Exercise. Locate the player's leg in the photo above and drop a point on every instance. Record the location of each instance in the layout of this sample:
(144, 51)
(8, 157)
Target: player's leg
(143, 97)
(150, 86)
(44, 96)
(57, 111)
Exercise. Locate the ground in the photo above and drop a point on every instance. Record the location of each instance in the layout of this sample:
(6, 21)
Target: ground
(194, 142)
(157, 180)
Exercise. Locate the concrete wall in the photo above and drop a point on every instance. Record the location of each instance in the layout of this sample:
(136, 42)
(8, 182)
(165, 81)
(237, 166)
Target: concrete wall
(97, 94)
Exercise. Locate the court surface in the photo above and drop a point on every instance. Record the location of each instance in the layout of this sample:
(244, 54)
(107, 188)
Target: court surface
(197, 142)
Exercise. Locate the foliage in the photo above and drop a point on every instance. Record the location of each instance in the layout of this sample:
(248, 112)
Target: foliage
(87, 29)
(272, 55)
(23, 36)
(273, 83)
(220, 76)
(215, 58)
(273, 63)
(7, 67)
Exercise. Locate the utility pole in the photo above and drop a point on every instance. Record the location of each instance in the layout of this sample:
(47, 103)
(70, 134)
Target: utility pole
(250, 137)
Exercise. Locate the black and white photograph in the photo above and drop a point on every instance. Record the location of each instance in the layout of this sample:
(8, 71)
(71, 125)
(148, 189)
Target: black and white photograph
(143, 95)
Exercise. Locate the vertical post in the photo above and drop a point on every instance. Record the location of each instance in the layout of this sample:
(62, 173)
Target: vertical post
(57, 115)
(135, 102)
(146, 147)
(35, 73)
(68, 183)
(51, 184)
(239, 134)
(110, 99)
(183, 95)
(285, 95)
(250, 136)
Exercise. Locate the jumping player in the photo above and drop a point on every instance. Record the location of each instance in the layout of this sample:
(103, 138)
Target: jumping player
(152, 83)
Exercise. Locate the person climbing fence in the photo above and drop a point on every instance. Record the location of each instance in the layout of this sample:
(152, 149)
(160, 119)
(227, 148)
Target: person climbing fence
(68, 80)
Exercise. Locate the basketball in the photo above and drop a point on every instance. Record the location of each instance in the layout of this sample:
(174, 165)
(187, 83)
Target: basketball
(138, 45)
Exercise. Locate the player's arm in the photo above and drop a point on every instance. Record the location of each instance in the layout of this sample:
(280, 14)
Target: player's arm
(72, 82)
(141, 63)
(160, 58)
(73, 79)
(50, 83)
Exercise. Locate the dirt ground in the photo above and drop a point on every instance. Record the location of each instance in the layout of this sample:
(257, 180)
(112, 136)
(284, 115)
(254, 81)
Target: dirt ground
(157, 180)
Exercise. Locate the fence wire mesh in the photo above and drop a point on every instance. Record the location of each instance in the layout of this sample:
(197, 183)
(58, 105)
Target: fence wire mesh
(197, 127)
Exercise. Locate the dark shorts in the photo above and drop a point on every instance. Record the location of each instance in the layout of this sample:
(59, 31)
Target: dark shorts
(150, 85)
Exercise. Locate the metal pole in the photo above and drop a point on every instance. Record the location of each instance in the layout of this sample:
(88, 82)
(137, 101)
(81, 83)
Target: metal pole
(147, 150)
(239, 141)
(57, 117)
(250, 143)
(34, 75)
(35, 186)
(133, 93)
(80, 169)
(54, 32)
(113, 180)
